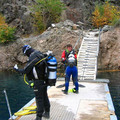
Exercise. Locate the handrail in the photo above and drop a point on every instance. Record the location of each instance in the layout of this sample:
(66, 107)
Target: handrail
(81, 34)
(100, 32)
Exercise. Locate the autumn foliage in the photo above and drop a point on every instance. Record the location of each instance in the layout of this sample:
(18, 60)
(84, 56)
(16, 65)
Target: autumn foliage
(105, 14)
(6, 32)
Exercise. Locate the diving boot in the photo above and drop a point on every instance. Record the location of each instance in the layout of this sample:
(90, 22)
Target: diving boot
(75, 91)
(46, 115)
(65, 92)
(38, 118)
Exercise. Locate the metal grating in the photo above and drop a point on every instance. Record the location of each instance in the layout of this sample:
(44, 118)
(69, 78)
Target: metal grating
(58, 112)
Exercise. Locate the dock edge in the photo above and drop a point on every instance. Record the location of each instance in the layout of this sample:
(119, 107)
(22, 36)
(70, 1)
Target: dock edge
(110, 103)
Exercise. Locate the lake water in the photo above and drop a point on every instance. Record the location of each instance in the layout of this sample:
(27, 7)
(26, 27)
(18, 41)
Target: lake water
(114, 87)
(19, 93)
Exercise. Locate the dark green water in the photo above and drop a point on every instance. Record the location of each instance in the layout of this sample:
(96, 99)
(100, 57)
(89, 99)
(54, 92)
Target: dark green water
(114, 87)
(18, 93)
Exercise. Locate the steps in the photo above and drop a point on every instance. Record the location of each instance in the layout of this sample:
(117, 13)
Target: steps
(87, 56)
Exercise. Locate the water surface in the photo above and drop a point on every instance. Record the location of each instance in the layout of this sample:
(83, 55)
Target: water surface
(18, 93)
(114, 87)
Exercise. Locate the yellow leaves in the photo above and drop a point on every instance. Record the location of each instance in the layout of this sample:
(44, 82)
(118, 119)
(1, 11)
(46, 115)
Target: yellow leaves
(2, 19)
(6, 32)
(104, 14)
(3, 25)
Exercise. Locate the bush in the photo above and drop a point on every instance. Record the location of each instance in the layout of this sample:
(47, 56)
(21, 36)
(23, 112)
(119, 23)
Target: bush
(105, 14)
(6, 32)
(46, 12)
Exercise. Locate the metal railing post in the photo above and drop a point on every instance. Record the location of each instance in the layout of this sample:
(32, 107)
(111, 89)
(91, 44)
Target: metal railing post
(8, 105)
(99, 38)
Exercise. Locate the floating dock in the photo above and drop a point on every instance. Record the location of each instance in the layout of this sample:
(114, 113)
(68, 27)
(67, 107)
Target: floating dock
(92, 103)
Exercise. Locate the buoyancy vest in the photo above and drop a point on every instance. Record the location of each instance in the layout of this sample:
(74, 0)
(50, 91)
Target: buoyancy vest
(69, 58)
(35, 71)
(67, 53)
(42, 67)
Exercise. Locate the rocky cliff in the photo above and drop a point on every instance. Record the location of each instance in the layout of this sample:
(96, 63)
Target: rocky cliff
(109, 55)
(54, 38)
(17, 13)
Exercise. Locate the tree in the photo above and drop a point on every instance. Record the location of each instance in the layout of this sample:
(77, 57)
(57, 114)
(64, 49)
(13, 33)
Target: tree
(46, 12)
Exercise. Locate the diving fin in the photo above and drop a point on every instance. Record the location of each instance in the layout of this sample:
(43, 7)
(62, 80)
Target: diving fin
(73, 90)
(24, 112)
(30, 108)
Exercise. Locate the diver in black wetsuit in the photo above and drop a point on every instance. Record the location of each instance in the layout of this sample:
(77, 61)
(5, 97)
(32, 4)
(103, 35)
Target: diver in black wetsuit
(37, 74)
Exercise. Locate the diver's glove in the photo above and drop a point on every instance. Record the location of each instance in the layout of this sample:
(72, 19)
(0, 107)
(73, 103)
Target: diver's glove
(49, 53)
(31, 85)
(16, 67)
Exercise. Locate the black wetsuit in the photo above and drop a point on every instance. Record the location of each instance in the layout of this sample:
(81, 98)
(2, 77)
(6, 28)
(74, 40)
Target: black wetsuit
(37, 74)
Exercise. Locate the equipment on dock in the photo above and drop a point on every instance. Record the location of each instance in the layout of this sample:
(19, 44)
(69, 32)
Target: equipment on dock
(25, 112)
(73, 90)
(30, 108)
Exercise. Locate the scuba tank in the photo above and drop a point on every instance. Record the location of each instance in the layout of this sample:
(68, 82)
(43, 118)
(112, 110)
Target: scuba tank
(51, 71)
(71, 60)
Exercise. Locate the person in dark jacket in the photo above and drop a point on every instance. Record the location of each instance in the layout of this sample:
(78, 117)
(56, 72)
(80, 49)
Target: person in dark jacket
(37, 74)
(69, 58)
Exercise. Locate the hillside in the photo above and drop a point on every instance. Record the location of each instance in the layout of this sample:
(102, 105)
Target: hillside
(54, 39)
(74, 18)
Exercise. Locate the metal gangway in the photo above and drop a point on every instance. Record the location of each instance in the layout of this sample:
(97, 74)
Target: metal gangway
(87, 56)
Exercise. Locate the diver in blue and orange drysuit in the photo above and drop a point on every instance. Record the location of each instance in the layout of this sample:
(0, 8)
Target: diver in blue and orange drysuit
(69, 58)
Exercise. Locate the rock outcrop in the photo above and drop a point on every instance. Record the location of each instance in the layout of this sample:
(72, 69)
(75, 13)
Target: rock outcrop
(17, 13)
(54, 38)
(81, 10)
(109, 55)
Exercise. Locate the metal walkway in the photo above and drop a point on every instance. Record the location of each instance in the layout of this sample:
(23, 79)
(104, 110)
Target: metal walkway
(87, 56)
(92, 103)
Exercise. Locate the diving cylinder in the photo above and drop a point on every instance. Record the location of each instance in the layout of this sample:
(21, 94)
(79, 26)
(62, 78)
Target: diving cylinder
(52, 70)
